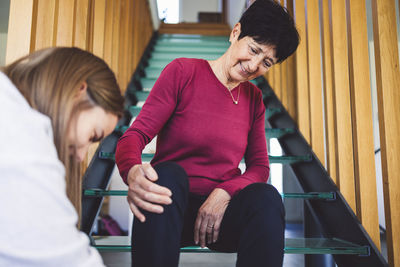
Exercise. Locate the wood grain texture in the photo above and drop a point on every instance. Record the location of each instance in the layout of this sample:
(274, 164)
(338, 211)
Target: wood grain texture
(344, 126)
(46, 27)
(364, 161)
(330, 104)
(303, 102)
(314, 80)
(388, 84)
(20, 27)
(65, 23)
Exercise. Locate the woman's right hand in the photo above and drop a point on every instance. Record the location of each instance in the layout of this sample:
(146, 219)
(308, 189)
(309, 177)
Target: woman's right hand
(143, 193)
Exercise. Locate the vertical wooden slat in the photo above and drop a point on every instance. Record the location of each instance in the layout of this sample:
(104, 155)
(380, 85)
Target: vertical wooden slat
(108, 32)
(314, 80)
(277, 79)
(123, 43)
(343, 105)
(130, 38)
(330, 110)
(291, 75)
(81, 24)
(20, 29)
(99, 27)
(136, 37)
(367, 206)
(284, 78)
(115, 40)
(388, 84)
(303, 104)
(65, 23)
(46, 24)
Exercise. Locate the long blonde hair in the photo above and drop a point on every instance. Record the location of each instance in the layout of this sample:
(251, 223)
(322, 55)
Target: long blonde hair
(49, 79)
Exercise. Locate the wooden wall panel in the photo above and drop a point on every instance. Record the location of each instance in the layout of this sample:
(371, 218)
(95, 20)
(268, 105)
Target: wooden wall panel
(291, 74)
(99, 27)
(343, 105)
(20, 29)
(46, 26)
(330, 108)
(82, 19)
(303, 103)
(108, 32)
(65, 23)
(366, 194)
(284, 78)
(115, 39)
(314, 80)
(277, 79)
(388, 84)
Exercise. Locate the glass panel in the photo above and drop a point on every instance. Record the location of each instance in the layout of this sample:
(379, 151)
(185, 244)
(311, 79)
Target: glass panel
(134, 110)
(292, 246)
(289, 159)
(271, 112)
(312, 195)
(277, 133)
(272, 159)
(269, 132)
(121, 129)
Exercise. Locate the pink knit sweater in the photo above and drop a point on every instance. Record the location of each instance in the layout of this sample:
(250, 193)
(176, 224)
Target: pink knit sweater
(200, 128)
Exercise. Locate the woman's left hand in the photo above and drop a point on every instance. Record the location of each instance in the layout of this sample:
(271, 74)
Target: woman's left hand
(209, 217)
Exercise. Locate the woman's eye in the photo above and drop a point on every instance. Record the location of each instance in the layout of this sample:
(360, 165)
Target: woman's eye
(253, 50)
(267, 64)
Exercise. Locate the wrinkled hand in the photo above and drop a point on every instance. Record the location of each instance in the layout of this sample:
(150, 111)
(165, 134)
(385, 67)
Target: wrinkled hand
(144, 193)
(209, 217)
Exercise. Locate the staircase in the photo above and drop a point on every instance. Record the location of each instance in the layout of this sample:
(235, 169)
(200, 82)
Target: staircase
(330, 227)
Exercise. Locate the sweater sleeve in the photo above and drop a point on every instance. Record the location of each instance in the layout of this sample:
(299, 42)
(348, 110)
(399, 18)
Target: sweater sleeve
(158, 108)
(256, 156)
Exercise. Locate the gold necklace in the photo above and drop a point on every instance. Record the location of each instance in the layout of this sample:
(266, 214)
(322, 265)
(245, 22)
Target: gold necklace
(233, 99)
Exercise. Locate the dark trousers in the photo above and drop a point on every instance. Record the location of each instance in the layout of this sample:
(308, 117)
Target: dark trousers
(253, 225)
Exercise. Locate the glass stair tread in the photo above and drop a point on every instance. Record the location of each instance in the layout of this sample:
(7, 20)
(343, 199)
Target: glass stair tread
(172, 56)
(176, 54)
(292, 246)
(269, 132)
(147, 157)
(191, 43)
(312, 195)
(135, 110)
(189, 49)
(278, 132)
(192, 36)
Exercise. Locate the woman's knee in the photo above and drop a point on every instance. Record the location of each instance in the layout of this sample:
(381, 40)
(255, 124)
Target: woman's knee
(172, 176)
(265, 198)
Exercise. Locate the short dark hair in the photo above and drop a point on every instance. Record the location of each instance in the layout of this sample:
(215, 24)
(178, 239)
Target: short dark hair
(268, 23)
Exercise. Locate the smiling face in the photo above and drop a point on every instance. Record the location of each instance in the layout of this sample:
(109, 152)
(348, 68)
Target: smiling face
(247, 59)
(89, 126)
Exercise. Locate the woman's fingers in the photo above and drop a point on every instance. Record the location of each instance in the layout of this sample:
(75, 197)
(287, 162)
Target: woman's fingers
(149, 186)
(144, 194)
(147, 205)
(216, 228)
(136, 211)
(149, 172)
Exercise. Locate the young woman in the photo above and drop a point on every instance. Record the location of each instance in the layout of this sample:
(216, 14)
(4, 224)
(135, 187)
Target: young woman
(53, 104)
(208, 116)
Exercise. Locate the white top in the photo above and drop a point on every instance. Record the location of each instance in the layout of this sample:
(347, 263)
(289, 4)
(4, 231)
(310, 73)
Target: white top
(37, 220)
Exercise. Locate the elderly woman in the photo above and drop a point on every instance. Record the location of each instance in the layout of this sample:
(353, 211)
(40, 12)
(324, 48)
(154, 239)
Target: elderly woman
(208, 116)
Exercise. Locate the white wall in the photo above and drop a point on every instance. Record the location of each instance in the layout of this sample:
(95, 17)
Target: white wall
(235, 9)
(154, 14)
(189, 9)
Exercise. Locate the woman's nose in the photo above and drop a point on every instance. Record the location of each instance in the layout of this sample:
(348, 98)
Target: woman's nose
(81, 153)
